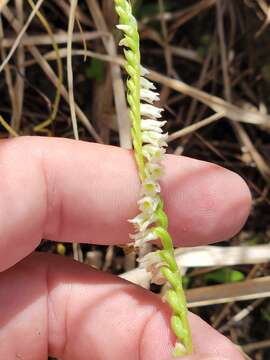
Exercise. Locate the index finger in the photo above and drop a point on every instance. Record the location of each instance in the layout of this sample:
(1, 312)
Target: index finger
(64, 190)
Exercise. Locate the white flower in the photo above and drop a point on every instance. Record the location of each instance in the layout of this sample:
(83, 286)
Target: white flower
(144, 71)
(150, 187)
(146, 84)
(150, 111)
(127, 42)
(153, 263)
(153, 170)
(153, 141)
(141, 238)
(154, 138)
(180, 348)
(142, 221)
(152, 125)
(149, 96)
(153, 153)
(148, 204)
(150, 259)
(126, 28)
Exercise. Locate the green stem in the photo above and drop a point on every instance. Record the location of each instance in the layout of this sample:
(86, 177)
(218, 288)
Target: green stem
(175, 295)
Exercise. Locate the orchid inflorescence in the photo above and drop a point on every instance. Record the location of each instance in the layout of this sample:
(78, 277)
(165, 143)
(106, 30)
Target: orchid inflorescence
(149, 144)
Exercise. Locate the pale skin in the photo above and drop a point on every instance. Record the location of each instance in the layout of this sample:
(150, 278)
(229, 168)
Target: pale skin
(64, 190)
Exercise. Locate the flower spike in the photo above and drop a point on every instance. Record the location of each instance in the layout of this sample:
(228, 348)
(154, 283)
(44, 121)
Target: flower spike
(149, 144)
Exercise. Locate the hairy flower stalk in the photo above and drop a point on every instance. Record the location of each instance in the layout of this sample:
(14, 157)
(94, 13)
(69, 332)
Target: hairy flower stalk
(149, 144)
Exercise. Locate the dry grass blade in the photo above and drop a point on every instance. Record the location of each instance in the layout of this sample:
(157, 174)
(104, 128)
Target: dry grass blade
(80, 15)
(63, 53)
(183, 15)
(229, 110)
(9, 129)
(222, 256)
(218, 294)
(19, 84)
(58, 38)
(192, 11)
(256, 156)
(241, 314)
(51, 118)
(118, 86)
(207, 256)
(167, 50)
(194, 127)
(82, 33)
(189, 54)
(214, 102)
(51, 75)
(8, 77)
(256, 346)
(21, 33)
(266, 10)
(217, 104)
(185, 53)
(2, 4)
(77, 253)
(242, 135)
(69, 68)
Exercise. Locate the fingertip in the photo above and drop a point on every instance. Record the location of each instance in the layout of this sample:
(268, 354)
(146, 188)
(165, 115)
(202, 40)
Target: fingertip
(206, 203)
(157, 339)
(240, 202)
(209, 343)
(78, 312)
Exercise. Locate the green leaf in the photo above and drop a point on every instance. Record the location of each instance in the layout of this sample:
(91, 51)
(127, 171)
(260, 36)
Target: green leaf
(224, 275)
(95, 70)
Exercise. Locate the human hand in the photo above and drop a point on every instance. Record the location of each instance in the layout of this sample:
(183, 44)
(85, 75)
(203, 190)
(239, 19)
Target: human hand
(64, 190)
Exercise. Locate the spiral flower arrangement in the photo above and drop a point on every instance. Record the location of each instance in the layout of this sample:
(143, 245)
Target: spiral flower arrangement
(149, 144)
